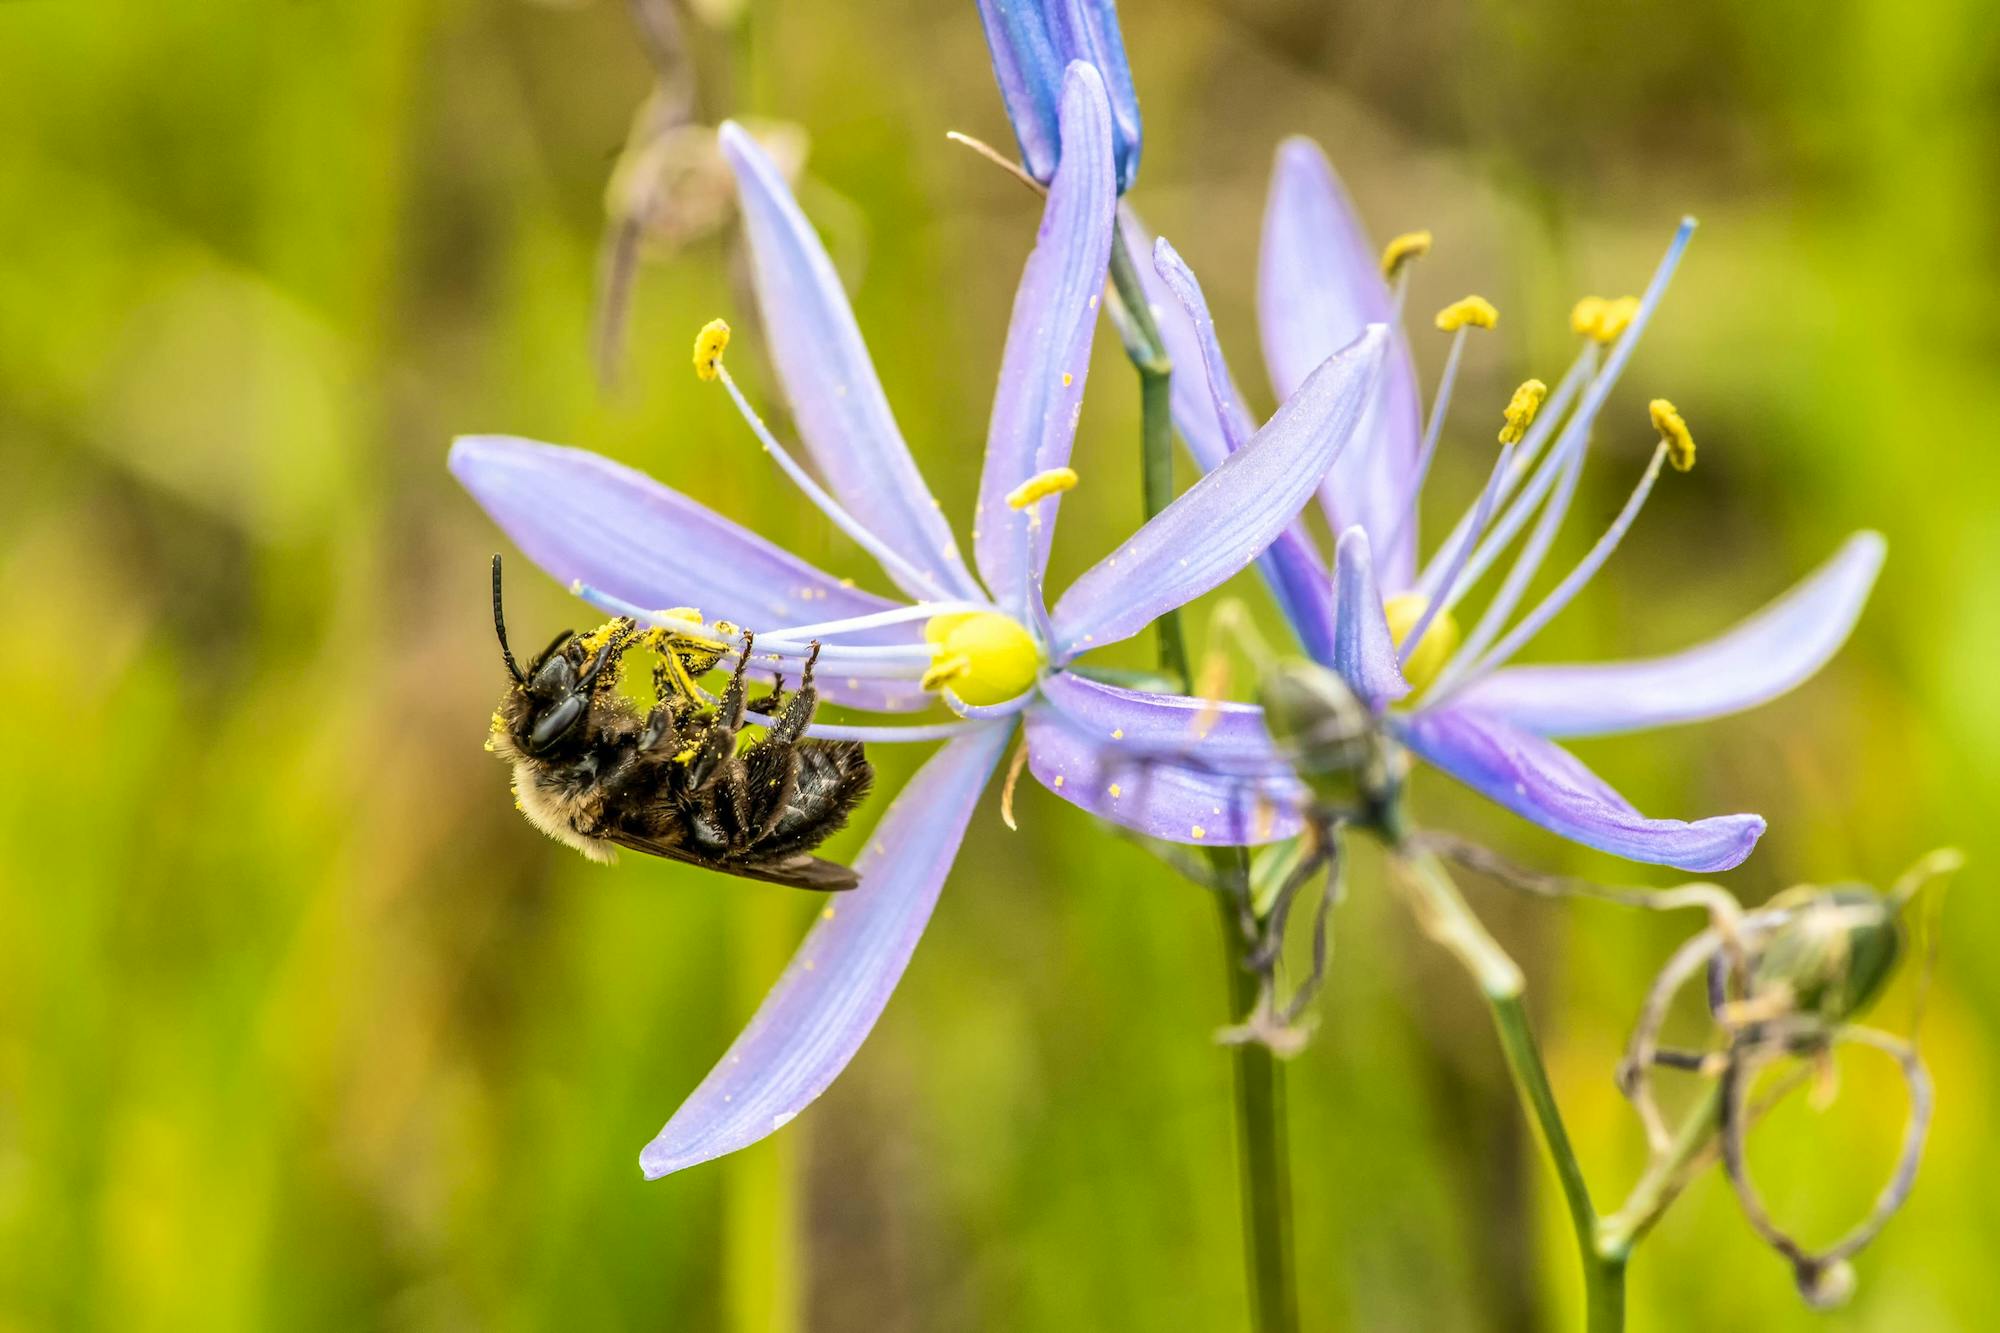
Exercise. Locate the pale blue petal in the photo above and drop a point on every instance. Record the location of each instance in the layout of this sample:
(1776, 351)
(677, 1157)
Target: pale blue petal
(1319, 283)
(1225, 520)
(585, 519)
(1185, 770)
(1291, 566)
(1545, 784)
(1048, 348)
(829, 997)
(1364, 651)
(837, 401)
(1761, 658)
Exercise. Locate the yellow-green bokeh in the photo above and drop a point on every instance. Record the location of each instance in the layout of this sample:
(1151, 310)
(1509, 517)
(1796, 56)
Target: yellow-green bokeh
(301, 1026)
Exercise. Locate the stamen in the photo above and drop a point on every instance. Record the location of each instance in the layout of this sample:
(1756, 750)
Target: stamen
(709, 345)
(714, 369)
(944, 670)
(1586, 315)
(1475, 311)
(1576, 432)
(1545, 424)
(1403, 250)
(1439, 604)
(1520, 410)
(1601, 319)
(1566, 591)
(873, 620)
(1040, 486)
(1014, 767)
(1673, 434)
(1524, 569)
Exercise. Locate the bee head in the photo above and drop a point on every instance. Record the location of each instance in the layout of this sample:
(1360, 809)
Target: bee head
(549, 699)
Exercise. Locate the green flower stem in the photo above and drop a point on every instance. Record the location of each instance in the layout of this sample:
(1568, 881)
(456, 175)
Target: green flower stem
(1263, 1154)
(1444, 914)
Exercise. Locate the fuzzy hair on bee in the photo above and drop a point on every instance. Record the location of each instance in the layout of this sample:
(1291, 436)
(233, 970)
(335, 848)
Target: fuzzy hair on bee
(595, 774)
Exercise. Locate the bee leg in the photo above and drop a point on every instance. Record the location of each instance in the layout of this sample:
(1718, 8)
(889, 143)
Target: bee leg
(772, 702)
(790, 726)
(772, 775)
(659, 730)
(718, 743)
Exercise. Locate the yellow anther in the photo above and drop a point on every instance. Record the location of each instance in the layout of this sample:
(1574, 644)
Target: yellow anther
(1673, 434)
(1403, 611)
(1618, 316)
(1586, 315)
(1603, 319)
(1476, 311)
(708, 348)
(1411, 245)
(1520, 410)
(1040, 486)
(984, 656)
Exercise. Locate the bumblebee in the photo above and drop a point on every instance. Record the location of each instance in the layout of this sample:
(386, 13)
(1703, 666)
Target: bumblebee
(594, 774)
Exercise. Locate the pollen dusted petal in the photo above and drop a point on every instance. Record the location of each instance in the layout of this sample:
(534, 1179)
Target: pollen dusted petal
(1183, 769)
(585, 519)
(828, 999)
(1545, 784)
(1759, 659)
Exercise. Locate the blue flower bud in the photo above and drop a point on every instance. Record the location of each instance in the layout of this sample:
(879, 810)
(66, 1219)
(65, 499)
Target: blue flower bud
(1033, 42)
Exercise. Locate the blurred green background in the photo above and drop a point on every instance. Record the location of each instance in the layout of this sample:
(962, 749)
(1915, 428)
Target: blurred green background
(301, 1026)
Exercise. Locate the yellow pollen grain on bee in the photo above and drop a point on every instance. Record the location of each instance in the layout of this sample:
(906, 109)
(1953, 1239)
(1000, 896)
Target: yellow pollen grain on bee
(1411, 245)
(1199, 832)
(1053, 481)
(1673, 433)
(1467, 311)
(1116, 791)
(709, 345)
(1520, 410)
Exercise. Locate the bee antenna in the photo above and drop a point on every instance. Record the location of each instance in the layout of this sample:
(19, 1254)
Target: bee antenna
(500, 628)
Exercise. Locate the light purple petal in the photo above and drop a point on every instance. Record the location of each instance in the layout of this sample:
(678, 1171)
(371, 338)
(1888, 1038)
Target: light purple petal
(830, 995)
(1318, 285)
(1545, 784)
(1292, 567)
(586, 519)
(1761, 658)
(1048, 347)
(1181, 769)
(1364, 651)
(837, 401)
(1225, 520)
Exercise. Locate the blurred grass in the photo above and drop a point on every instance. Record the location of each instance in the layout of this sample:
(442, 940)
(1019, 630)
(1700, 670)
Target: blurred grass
(301, 1026)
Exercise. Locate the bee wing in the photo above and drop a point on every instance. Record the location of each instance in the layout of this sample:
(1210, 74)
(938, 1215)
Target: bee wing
(798, 872)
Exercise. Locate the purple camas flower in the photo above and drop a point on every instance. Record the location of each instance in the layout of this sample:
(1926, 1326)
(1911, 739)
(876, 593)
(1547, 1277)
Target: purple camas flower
(1032, 43)
(987, 645)
(1454, 700)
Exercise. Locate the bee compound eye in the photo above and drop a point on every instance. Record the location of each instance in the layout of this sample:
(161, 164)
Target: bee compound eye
(553, 725)
(554, 677)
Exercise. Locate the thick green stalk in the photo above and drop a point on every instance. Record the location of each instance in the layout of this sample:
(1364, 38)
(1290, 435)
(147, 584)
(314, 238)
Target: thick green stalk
(1443, 912)
(1263, 1154)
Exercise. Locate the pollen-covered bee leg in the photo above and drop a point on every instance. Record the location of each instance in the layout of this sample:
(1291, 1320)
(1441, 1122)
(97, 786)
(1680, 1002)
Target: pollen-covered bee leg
(718, 743)
(791, 725)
